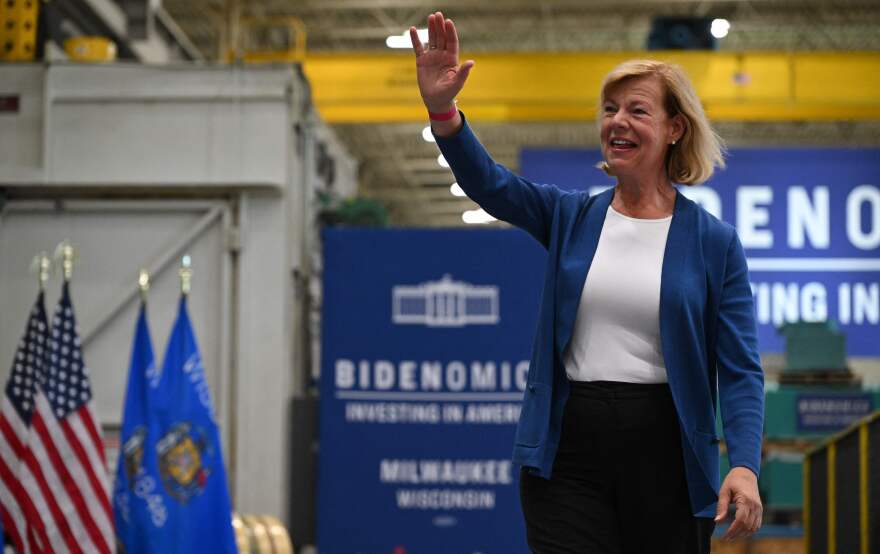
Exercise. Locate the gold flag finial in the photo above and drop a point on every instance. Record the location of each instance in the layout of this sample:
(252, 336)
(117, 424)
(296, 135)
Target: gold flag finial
(67, 255)
(185, 274)
(41, 266)
(144, 283)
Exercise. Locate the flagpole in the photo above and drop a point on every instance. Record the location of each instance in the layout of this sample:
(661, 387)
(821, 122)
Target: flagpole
(185, 275)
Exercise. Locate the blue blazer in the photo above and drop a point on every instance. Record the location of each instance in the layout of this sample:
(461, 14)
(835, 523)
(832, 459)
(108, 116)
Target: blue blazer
(707, 323)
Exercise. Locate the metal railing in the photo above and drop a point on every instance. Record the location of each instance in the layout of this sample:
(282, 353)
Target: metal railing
(842, 491)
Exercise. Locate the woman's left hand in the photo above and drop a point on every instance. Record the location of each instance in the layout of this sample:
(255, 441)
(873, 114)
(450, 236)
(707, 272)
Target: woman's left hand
(740, 487)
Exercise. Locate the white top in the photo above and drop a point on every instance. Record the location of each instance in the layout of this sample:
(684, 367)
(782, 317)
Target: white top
(616, 333)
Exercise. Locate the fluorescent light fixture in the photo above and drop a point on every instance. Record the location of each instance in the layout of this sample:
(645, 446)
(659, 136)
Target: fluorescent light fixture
(402, 40)
(719, 28)
(477, 217)
(456, 190)
(442, 161)
(427, 135)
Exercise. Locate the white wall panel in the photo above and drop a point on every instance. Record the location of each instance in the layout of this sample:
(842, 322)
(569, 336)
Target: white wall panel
(223, 142)
(113, 245)
(21, 133)
(149, 151)
(265, 353)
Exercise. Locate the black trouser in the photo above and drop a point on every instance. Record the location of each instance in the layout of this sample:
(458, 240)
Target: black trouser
(618, 483)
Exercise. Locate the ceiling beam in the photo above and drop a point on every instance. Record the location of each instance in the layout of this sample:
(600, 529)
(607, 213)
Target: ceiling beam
(751, 86)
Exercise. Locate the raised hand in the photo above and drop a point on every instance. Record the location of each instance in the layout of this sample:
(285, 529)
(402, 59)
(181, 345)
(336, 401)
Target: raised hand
(440, 76)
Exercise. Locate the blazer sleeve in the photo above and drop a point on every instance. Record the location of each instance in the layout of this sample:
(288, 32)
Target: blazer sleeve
(740, 376)
(498, 190)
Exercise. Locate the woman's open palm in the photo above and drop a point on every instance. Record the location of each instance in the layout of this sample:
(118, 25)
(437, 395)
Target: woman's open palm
(439, 74)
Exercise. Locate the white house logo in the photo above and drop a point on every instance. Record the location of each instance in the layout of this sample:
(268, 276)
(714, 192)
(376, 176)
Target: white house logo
(445, 303)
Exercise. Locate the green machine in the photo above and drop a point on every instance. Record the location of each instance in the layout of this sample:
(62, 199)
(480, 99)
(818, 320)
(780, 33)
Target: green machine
(814, 351)
(797, 416)
(816, 396)
(813, 412)
(781, 481)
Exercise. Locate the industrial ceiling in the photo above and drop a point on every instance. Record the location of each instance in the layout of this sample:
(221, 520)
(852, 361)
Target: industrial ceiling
(398, 167)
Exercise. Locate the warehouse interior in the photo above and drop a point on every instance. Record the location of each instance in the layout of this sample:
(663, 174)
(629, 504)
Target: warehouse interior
(241, 133)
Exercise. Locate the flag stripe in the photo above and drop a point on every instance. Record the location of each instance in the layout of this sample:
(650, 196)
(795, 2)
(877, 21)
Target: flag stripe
(34, 543)
(60, 484)
(10, 506)
(92, 429)
(34, 491)
(90, 457)
(26, 498)
(13, 519)
(22, 498)
(98, 491)
(16, 425)
(69, 483)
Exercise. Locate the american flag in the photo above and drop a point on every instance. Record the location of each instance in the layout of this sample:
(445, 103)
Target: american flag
(17, 483)
(55, 493)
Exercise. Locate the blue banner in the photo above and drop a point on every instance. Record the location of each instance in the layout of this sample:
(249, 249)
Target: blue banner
(809, 219)
(426, 340)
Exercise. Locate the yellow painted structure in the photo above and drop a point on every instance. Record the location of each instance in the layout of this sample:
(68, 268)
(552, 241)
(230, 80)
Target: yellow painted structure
(90, 49)
(519, 87)
(18, 30)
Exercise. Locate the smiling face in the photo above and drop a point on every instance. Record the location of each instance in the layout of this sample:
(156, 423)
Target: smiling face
(635, 128)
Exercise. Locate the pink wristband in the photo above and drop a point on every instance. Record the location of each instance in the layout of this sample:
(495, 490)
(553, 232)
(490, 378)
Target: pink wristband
(443, 116)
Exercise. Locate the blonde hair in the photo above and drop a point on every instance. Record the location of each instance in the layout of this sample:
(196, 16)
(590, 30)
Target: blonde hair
(694, 157)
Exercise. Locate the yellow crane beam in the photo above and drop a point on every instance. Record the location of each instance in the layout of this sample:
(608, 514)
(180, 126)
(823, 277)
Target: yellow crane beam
(519, 87)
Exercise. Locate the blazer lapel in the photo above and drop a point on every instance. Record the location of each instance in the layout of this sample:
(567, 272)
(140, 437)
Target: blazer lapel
(578, 256)
(681, 233)
(575, 260)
